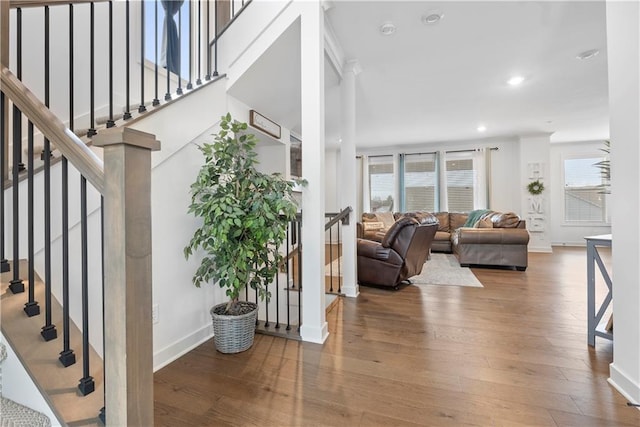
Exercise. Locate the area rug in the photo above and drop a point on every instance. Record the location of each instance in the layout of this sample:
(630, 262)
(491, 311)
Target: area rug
(444, 269)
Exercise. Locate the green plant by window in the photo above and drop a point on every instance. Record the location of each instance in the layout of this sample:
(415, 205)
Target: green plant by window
(536, 187)
(245, 214)
(605, 169)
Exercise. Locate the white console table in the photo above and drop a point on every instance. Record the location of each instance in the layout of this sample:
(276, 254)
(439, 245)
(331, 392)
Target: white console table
(594, 318)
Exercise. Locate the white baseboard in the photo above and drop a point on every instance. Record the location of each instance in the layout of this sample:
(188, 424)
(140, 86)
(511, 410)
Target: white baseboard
(313, 334)
(541, 249)
(625, 385)
(181, 347)
(351, 290)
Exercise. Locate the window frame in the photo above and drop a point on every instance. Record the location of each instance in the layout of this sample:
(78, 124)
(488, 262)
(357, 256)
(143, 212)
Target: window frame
(606, 222)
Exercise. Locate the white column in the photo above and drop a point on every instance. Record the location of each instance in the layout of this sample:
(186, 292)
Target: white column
(314, 325)
(536, 150)
(349, 176)
(624, 109)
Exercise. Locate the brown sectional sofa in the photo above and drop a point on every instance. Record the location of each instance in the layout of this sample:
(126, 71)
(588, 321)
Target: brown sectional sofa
(496, 239)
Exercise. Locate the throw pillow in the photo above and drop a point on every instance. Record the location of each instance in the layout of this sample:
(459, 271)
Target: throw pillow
(386, 218)
(484, 223)
(369, 226)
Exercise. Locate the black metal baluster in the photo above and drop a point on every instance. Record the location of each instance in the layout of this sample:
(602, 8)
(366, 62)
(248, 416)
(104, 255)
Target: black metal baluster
(167, 96)
(16, 285)
(67, 356)
(111, 122)
(199, 81)
(189, 83)
(289, 276)
(339, 258)
(92, 75)
(49, 329)
(299, 227)
(266, 305)
(103, 414)
(330, 259)
(208, 47)
(179, 89)
(257, 321)
(156, 101)
(19, 74)
(31, 307)
(142, 108)
(4, 263)
(127, 108)
(87, 384)
(215, 37)
(278, 293)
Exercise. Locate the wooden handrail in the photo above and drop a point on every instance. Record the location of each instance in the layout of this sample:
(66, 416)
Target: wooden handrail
(14, 4)
(342, 216)
(76, 151)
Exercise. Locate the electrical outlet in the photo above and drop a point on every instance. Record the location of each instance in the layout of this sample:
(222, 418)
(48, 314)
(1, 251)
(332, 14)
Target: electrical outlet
(155, 313)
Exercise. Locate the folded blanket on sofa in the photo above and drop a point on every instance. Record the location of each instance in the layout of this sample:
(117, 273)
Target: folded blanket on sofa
(475, 216)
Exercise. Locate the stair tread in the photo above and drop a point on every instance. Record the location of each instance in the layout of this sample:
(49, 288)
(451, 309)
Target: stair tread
(40, 358)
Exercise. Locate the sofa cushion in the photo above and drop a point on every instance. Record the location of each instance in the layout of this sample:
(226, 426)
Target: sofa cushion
(457, 220)
(443, 220)
(385, 217)
(505, 220)
(442, 236)
(373, 225)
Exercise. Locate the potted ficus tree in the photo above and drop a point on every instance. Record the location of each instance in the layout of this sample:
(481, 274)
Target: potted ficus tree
(245, 214)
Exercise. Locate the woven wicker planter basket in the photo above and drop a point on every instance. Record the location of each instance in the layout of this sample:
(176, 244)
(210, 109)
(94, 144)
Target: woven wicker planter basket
(233, 334)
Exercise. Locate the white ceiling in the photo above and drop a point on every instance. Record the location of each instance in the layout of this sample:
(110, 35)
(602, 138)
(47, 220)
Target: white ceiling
(437, 83)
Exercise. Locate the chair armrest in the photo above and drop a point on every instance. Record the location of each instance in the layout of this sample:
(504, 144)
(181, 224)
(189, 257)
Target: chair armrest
(374, 250)
(499, 236)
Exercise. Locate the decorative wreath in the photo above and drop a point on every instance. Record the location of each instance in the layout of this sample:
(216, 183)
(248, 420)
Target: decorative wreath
(536, 187)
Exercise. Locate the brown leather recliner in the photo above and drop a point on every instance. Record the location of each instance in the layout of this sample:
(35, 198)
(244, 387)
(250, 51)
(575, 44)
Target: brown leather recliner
(401, 254)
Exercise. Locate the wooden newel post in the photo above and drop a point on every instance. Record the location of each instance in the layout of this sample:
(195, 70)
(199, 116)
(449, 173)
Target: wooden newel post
(128, 349)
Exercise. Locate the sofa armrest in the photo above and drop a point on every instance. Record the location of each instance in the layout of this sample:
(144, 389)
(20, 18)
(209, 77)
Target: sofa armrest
(496, 236)
(359, 230)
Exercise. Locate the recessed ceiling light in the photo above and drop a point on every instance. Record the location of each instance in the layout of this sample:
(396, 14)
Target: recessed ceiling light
(515, 80)
(482, 128)
(387, 29)
(432, 17)
(588, 54)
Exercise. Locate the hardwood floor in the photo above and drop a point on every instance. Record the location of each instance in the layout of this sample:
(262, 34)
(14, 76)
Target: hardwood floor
(512, 353)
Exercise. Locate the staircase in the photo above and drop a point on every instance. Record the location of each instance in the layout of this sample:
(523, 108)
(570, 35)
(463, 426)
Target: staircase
(60, 326)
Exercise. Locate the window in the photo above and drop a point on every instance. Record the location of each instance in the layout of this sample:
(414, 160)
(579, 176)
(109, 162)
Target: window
(381, 183)
(181, 20)
(295, 156)
(584, 199)
(460, 177)
(420, 181)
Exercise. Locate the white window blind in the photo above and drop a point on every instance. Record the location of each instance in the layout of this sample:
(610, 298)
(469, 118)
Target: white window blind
(459, 181)
(420, 182)
(583, 193)
(381, 182)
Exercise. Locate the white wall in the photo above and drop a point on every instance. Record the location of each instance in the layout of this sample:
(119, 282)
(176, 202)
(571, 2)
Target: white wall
(18, 386)
(332, 179)
(623, 46)
(561, 232)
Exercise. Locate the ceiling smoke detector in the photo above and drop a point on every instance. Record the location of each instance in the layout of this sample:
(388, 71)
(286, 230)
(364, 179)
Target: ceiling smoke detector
(588, 54)
(387, 29)
(432, 17)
